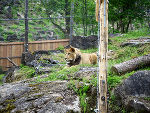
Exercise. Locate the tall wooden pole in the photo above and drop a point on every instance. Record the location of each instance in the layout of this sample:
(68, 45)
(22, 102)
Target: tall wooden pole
(103, 45)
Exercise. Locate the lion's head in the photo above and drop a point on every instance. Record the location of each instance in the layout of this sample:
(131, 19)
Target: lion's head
(71, 55)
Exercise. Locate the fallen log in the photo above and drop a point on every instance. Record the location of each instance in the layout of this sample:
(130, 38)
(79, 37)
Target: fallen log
(137, 42)
(131, 65)
(12, 62)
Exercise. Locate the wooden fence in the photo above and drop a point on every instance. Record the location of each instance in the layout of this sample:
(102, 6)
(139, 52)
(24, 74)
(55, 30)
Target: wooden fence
(14, 50)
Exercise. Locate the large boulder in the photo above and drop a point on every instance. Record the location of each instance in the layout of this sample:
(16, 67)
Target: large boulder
(84, 42)
(27, 58)
(9, 77)
(12, 38)
(86, 73)
(1, 38)
(134, 92)
(45, 97)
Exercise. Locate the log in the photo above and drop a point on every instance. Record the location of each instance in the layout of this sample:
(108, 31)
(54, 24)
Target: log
(11, 62)
(137, 42)
(131, 65)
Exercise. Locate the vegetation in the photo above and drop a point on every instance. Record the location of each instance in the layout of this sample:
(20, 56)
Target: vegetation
(124, 13)
(1, 78)
(26, 71)
(123, 16)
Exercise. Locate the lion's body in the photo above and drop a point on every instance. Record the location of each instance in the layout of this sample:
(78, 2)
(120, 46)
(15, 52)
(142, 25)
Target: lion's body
(87, 58)
(74, 57)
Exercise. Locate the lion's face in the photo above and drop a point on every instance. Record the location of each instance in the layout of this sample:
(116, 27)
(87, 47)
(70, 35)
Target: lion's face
(70, 54)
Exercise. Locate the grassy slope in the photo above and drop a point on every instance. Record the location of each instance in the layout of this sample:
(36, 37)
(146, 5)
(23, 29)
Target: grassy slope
(126, 53)
(123, 54)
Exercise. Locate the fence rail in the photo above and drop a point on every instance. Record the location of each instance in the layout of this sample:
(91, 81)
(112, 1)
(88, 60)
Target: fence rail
(14, 50)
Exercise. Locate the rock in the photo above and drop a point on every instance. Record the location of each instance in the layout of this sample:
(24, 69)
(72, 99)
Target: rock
(14, 74)
(41, 32)
(32, 60)
(1, 38)
(38, 38)
(27, 58)
(85, 73)
(51, 61)
(134, 91)
(9, 77)
(11, 38)
(49, 37)
(22, 39)
(84, 42)
(115, 35)
(45, 97)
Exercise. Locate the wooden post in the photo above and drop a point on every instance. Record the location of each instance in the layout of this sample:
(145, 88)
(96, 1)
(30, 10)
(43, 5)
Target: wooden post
(103, 47)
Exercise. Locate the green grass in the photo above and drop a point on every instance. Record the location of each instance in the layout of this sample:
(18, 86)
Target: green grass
(1, 78)
(60, 73)
(93, 50)
(26, 72)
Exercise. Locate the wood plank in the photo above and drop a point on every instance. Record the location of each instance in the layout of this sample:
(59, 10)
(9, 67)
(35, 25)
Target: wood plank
(34, 42)
(51, 46)
(4, 64)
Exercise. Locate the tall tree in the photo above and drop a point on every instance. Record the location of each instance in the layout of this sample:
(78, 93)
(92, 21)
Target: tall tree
(55, 8)
(124, 12)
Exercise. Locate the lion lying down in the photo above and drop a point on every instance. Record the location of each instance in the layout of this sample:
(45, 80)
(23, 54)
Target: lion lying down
(73, 56)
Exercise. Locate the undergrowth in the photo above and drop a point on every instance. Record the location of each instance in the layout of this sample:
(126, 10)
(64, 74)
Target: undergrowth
(1, 78)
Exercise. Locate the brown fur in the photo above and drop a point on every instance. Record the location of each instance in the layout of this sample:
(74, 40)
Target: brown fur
(73, 56)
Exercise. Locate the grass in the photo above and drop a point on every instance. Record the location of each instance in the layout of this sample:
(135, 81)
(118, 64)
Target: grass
(24, 72)
(1, 78)
(27, 71)
(60, 73)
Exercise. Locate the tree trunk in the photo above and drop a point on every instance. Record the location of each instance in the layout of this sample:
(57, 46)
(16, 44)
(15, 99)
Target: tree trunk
(127, 28)
(122, 26)
(58, 26)
(113, 25)
(131, 65)
(118, 26)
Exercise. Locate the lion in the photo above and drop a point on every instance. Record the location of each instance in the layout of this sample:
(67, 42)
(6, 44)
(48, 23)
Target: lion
(73, 56)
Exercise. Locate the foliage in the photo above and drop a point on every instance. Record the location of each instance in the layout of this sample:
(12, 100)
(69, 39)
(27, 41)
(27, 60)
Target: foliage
(122, 15)
(60, 48)
(26, 71)
(125, 12)
(1, 78)
(81, 91)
